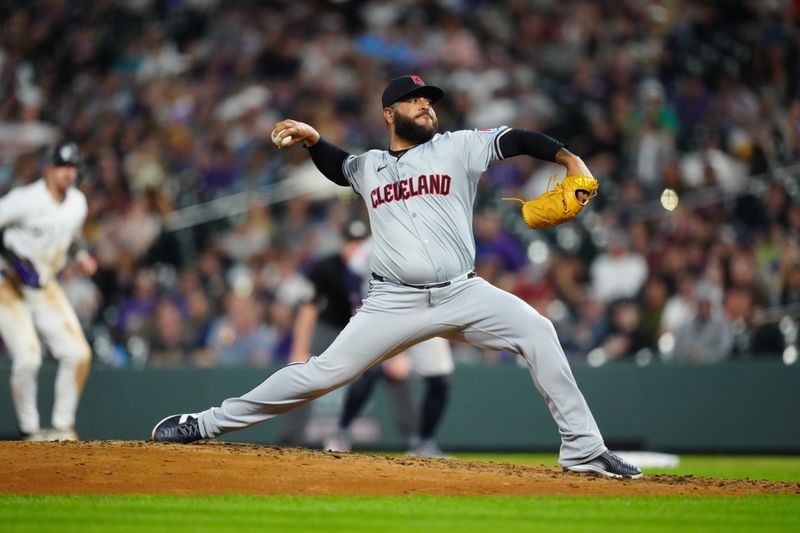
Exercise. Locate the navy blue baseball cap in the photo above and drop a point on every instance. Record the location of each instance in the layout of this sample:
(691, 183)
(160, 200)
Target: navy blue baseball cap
(407, 86)
(355, 230)
(65, 154)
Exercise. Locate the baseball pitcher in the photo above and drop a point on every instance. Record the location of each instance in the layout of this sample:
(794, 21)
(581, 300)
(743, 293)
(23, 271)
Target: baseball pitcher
(40, 224)
(419, 195)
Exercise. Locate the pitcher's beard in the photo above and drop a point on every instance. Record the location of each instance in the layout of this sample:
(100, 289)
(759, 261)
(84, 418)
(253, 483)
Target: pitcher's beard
(406, 128)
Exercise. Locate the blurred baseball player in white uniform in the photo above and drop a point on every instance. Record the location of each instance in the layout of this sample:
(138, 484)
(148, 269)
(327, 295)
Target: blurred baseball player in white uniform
(39, 226)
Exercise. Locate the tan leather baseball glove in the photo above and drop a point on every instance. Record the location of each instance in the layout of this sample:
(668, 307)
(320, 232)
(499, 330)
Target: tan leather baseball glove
(560, 204)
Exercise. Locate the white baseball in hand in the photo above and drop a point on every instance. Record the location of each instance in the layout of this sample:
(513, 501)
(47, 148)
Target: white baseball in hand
(669, 199)
(281, 143)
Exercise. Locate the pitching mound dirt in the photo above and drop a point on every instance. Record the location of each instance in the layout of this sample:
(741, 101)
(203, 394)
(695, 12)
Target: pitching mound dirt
(125, 467)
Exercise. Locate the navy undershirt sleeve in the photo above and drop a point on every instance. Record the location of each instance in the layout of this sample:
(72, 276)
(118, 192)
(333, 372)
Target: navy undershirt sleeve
(328, 158)
(528, 142)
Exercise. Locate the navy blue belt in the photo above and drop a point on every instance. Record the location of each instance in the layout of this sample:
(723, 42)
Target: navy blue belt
(375, 276)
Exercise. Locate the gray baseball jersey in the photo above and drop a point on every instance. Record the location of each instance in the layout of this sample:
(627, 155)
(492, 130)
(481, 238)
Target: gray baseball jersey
(420, 207)
(420, 204)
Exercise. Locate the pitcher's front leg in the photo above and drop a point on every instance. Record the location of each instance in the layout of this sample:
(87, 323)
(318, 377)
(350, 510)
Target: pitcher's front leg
(500, 321)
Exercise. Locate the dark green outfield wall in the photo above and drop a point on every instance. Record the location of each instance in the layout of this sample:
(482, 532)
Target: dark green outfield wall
(736, 407)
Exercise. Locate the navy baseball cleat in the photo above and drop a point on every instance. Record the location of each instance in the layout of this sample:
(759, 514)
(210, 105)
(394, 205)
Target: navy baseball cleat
(609, 465)
(182, 429)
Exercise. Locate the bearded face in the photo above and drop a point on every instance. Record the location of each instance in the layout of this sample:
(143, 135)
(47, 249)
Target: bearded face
(417, 128)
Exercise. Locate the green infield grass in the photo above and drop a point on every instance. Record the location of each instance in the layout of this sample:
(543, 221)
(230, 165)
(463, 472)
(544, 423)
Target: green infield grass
(239, 513)
(321, 514)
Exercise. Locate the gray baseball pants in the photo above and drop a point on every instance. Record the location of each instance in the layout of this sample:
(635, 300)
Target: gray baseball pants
(401, 399)
(394, 317)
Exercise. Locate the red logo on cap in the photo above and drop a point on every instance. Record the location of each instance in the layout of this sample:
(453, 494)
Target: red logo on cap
(417, 80)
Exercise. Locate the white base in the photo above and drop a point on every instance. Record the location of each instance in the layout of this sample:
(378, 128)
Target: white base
(650, 459)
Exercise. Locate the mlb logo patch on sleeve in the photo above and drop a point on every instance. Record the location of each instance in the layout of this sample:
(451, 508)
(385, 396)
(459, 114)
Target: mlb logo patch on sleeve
(492, 130)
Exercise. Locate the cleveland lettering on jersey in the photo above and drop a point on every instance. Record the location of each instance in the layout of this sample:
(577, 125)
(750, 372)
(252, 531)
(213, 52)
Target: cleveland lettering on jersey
(409, 187)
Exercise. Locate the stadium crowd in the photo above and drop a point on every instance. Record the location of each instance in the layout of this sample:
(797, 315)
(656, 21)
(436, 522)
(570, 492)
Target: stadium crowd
(172, 102)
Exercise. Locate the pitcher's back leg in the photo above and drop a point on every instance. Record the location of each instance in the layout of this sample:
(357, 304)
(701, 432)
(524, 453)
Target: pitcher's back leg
(383, 327)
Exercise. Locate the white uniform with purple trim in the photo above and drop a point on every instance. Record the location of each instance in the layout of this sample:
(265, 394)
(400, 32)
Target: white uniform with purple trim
(420, 209)
(40, 229)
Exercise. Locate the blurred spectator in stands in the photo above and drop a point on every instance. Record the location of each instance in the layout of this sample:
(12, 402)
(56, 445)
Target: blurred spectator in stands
(707, 337)
(219, 173)
(82, 294)
(713, 278)
(769, 249)
(680, 306)
(710, 166)
(652, 302)
(170, 342)
(491, 240)
(790, 145)
(143, 168)
(693, 103)
(743, 274)
(736, 106)
(639, 238)
(251, 236)
(756, 334)
(20, 171)
(281, 278)
(533, 285)
(133, 231)
(604, 144)
(653, 129)
(766, 338)
(295, 229)
(240, 336)
(618, 272)
(588, 327)
(792, 222)
(490, 268)
(134, 312)
(197, 308)
(212, 273)
(738, 306)
(669, 260)
(568, 276)
(28, 133)
(116, 280)
(281, 318)
(790, 274)
(160, 57)
(625, 337)
(259, 172)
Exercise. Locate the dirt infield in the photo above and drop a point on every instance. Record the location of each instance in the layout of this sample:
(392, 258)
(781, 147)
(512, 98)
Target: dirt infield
(126, 467)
